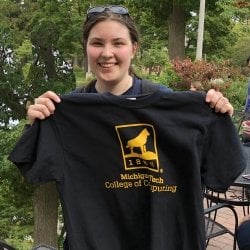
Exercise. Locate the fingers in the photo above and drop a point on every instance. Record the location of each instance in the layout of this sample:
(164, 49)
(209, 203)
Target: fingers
(212, 97)
(223, 106)
(51, 95)
(219, 102)
(43, 106)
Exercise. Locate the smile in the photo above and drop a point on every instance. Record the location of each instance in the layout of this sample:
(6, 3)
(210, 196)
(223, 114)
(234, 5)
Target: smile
(107, 65)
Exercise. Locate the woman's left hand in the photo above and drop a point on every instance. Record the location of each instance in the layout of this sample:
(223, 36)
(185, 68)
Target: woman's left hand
(219, 102)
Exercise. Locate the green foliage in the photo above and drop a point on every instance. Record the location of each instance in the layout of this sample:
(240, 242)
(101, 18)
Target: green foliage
(237, 9)
(153, 29)
(52, 37)
(237, 93)
(241, 49)
(80, 76)
(167, 78)
(63, 81)
(16, 217)
(154, 59)
(218, 35)
(44, 34)
(24, 52)
(12, 88)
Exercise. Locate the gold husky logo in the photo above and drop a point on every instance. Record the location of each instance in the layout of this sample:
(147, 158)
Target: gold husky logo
(138, 146)
(139, 141)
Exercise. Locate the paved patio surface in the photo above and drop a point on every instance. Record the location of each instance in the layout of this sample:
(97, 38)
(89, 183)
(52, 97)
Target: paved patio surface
(225, 242)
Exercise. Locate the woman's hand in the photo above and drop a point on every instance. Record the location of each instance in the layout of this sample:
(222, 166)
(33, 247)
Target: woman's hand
(219, 102)
(43, 106)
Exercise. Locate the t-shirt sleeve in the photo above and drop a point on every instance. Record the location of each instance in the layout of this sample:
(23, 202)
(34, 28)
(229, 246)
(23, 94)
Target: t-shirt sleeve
(223, 157)
(38, 153)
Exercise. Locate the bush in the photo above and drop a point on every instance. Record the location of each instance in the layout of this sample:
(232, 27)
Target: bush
(207, 74)
(237, 93)
(181, 74)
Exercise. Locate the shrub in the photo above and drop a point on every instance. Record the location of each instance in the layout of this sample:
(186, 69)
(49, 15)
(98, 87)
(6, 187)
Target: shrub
(208, 74)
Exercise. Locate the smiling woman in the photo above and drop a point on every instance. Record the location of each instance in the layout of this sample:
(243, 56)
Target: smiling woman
(111, 40)
(109, 56)
(110, 53)
(101, 211)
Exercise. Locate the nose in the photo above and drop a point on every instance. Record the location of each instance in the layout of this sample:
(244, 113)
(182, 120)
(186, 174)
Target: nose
(107, 51)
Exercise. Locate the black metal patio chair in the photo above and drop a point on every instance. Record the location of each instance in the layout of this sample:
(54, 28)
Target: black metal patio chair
(214, 228)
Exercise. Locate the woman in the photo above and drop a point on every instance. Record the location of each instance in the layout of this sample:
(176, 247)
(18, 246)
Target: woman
(111, 41)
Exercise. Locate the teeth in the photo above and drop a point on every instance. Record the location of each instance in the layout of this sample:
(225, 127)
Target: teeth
(107, 65)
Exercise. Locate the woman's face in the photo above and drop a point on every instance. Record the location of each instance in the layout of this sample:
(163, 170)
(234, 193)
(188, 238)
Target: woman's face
(110, 50)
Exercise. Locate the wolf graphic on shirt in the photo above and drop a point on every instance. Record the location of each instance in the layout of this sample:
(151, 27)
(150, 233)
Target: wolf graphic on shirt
(138, 145)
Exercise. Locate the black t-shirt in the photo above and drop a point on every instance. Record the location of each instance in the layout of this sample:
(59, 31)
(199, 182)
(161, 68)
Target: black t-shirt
(130, 171)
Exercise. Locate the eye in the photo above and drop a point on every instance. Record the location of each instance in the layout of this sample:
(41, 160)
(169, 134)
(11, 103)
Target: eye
(96, 44)
(119, 44)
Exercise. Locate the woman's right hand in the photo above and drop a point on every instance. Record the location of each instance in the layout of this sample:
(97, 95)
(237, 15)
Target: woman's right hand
(43, 106)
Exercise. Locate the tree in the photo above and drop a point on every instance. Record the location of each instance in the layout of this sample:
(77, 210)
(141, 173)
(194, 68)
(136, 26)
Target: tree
(219, 34)
(240, 11)
(16, 224)
(48, 70)
(180, 15)
(154, 60)
(12, 85)
(176, 27)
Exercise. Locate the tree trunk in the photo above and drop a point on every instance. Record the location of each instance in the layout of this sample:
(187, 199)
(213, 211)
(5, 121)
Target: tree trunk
(49, 61)
(46, 215)
(176, 37)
